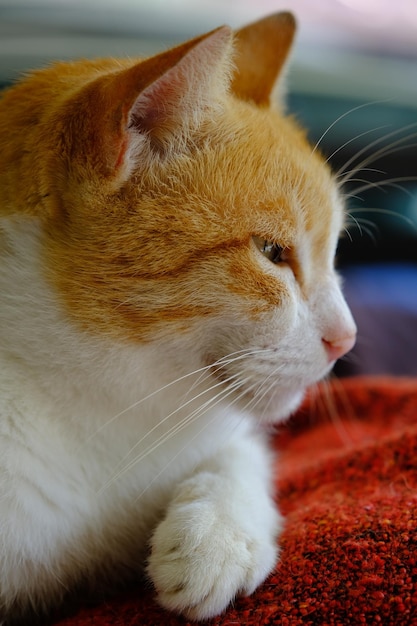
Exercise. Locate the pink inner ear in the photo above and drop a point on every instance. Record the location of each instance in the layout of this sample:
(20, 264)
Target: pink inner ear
(183, 92)
(160, 102)
(163, 103)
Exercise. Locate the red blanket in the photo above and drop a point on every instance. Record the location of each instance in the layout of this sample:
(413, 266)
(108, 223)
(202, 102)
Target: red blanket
(347, 484)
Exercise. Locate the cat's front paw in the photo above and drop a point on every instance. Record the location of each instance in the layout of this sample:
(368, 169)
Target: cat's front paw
(202, 556)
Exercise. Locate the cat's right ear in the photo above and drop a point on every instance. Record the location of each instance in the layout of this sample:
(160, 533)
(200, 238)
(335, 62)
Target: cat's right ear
(151, 107)
(262, 49)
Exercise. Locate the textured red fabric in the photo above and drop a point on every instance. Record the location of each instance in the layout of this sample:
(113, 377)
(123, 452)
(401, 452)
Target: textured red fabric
(347, 484)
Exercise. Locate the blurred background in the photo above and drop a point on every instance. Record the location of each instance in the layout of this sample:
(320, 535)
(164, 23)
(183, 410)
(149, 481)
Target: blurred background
(352, 83)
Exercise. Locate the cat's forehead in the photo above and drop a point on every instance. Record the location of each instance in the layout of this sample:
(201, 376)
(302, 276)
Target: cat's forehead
(265, 176)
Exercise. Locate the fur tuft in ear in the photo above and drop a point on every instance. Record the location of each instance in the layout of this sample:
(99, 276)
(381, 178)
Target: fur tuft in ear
(193, 82)
(188, 89)
(262, 49)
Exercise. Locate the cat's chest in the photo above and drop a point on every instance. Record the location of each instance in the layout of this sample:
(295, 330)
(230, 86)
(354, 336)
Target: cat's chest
(86, 453)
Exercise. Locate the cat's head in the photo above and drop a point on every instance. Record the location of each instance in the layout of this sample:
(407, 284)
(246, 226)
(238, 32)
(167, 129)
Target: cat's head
(179, 206)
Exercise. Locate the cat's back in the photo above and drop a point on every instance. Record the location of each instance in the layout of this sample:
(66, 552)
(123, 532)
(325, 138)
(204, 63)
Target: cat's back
(43, 88)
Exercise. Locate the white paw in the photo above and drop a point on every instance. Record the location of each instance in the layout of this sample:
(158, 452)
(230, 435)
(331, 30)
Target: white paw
(202, 555)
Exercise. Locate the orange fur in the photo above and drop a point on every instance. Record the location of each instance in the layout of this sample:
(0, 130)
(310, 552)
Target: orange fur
(257, 81)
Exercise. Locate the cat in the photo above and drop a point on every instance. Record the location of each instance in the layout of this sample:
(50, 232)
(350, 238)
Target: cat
(168, 291)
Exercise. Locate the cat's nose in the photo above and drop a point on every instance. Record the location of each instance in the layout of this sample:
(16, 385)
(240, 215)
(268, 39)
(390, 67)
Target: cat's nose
(336, 348)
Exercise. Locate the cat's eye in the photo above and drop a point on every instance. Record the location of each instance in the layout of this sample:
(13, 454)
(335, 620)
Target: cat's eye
(271, 250)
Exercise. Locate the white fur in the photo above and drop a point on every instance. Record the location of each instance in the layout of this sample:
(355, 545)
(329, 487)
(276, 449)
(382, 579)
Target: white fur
(93, 468)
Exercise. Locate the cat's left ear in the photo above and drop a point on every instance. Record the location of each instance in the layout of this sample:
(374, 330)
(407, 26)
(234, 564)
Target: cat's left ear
(261, 51)
(160, 100)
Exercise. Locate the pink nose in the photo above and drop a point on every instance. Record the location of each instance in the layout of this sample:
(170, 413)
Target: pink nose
(337, 348)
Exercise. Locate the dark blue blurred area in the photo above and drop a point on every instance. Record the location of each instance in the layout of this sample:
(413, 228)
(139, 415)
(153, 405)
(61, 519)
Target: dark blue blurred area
(383, 298)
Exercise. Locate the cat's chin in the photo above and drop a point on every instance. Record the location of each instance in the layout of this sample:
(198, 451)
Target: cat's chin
(279, 408)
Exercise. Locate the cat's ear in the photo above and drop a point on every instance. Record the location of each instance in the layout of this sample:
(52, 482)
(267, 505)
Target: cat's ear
(261, 50)
(159, 100)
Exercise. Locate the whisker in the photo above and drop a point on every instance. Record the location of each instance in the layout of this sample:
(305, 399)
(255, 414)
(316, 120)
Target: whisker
(144, 399)
(356, 223)
(223, 361)
(390, 182)
(259, 394)
(357, 180)
(362, 220)
(384, 151)
(343, 396)
(167, 417)
(346, 231)
(374, 170)
(204, 427)
(341, 117)
(269, 402)
(328, 398)
(315, 400)
(349, 141)
(409, 221)
(361, 225)
(206, 368)
(196, 414)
